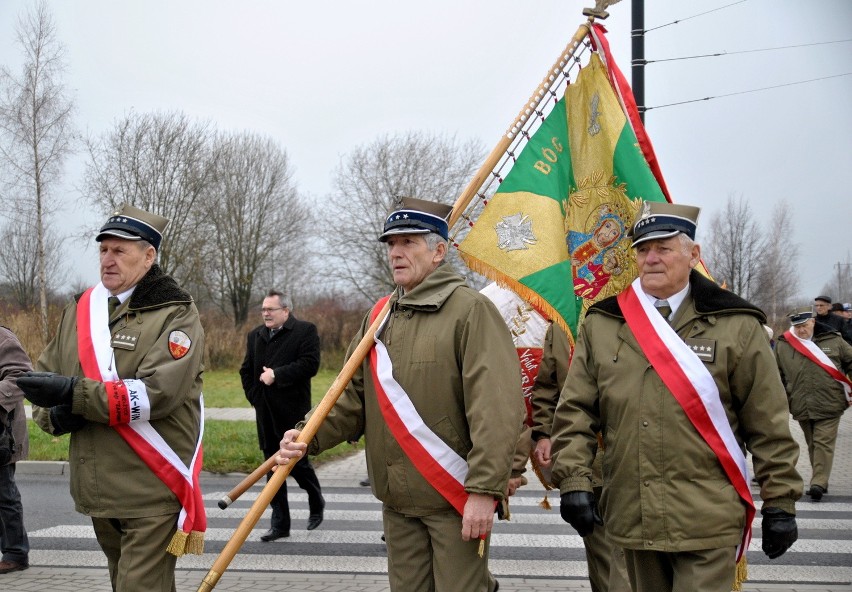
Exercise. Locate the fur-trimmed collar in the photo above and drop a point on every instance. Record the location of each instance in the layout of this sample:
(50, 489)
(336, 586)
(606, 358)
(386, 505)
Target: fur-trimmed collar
(154, 290)
(707, 297)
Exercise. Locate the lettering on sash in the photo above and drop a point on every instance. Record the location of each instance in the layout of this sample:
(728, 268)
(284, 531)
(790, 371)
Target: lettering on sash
(705, 349)
(125, 339)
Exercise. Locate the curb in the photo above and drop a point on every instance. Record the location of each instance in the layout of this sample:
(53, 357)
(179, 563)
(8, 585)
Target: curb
(42, 467)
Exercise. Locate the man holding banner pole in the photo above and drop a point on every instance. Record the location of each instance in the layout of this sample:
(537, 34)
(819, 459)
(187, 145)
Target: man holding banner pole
(439, 403)
(678, 376)
(123, 377)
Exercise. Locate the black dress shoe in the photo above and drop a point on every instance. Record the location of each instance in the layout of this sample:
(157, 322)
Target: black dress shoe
(314, 520)
(10, 566)
(816, 493)
(273, 534)
(364, 482)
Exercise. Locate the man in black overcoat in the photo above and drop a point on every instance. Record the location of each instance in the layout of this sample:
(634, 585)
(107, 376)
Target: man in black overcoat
(282, 355)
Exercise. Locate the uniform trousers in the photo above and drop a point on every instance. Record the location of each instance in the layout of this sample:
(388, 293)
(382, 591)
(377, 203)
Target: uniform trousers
(607, 571)
(427, 554)
(13, 536)
(821, 436)
(707, 570)
(304, 474)
(136, 552)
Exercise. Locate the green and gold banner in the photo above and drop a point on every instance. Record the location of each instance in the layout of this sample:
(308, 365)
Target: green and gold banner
(556, 230)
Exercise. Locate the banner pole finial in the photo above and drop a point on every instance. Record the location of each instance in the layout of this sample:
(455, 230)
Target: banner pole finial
(599, 11)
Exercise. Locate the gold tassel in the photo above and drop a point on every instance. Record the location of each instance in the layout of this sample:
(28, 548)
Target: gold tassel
(545, 503)
(177, 546)
(195, 544)
(740, 574)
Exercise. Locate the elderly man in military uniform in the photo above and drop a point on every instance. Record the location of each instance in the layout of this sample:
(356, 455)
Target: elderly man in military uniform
(123, 376)
(678, 376)
(439, 403)
(815, 362)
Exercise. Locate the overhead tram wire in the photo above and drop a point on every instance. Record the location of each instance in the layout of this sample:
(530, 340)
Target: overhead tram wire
(694, 16)
(730, 53)
(744, 92)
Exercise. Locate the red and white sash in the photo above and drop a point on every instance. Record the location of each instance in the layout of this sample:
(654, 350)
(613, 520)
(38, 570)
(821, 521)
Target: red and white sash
(811, 351)
(129, 413)
(439, 464)
(692, 385)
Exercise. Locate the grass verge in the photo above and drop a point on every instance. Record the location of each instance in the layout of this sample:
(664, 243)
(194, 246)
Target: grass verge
(229, 446)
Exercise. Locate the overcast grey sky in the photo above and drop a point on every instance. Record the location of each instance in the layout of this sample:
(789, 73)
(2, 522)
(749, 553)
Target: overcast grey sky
(324, 77)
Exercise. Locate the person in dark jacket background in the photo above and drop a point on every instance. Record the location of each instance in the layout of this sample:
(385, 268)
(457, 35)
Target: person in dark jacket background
(282, 355)
(14, 446)
(822, 306)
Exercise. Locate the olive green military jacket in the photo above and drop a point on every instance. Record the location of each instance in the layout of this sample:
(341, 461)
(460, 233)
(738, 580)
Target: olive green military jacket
(108, 479)
(552, 373)
(811, 392)
(664, 488)
(555, 353)
(454, 356)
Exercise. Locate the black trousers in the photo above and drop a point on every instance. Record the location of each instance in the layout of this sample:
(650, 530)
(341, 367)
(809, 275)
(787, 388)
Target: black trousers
(304, 474)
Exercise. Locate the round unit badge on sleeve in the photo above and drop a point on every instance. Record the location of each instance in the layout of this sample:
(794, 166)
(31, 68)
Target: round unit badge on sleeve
(179, 344)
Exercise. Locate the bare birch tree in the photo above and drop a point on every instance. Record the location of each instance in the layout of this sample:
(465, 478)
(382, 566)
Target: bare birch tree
(734, 251)
(160, 162)
(36, 134)
(365, 186)
(255, 222)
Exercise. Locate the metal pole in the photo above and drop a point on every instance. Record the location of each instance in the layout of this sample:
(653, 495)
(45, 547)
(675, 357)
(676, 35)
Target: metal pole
(638, 62)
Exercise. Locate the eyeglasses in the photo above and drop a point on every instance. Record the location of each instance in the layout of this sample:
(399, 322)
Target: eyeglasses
(266, 310)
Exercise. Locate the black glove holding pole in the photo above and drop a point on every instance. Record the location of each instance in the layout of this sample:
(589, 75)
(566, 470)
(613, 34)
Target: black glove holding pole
(64, 421)
(580, 510)
(47, 389)
(779, 531)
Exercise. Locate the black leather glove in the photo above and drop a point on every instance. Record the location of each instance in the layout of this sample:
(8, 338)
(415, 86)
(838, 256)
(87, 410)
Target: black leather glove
(64, 421)
(779, 531)
(580, 510)
(47, 389)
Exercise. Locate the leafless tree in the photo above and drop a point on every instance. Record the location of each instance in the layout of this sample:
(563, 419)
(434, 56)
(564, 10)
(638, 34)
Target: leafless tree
(734, 251)
(36, 132)
(777, 277)
(162, 163)
(365, 186)
(19, 263)
(840, 285)
(255, 221)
